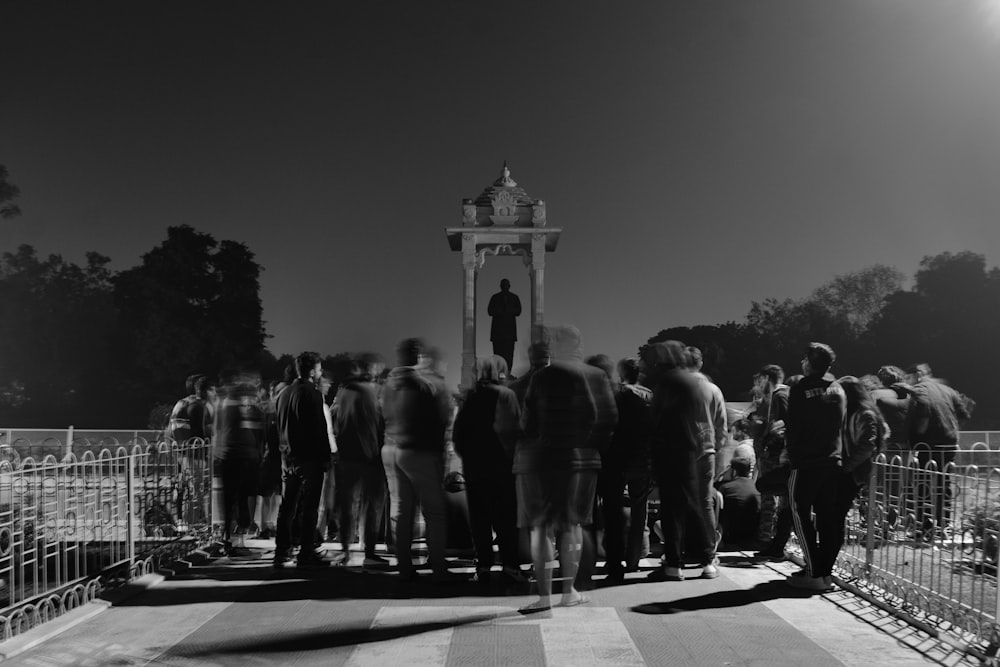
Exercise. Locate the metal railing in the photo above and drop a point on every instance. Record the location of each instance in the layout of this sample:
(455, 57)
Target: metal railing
(923, 540)
(93, 517)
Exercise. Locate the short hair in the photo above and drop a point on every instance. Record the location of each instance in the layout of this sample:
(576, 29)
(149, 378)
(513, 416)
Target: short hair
(628, 370)
(920, 368)
(491, 370)
(200, 384)
(695, 357)
(603, 362)
(289, 373)
(871, 382)
(772, 372)
(741, 467)
(890, 375)
(821, 356)
(409, 350)
(305, 362)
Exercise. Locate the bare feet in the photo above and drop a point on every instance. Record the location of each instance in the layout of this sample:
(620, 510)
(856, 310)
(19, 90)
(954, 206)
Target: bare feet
(573, 598)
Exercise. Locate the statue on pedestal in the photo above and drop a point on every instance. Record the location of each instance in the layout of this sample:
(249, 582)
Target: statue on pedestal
(504, 308)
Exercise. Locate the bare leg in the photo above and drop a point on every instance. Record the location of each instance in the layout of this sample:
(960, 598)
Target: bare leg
(570, 549)
(542, 554)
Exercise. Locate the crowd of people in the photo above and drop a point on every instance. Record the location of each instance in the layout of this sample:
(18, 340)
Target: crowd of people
(565, 461)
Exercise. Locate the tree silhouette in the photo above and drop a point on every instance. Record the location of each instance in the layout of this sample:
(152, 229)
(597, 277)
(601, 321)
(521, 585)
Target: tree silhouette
(8, 193)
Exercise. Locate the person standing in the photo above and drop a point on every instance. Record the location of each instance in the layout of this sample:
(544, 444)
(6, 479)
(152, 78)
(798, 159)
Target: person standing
(485, 431)
(557, 462)
(932, 424)
(416, 418)
(239, 440)
(504, 308)
(677, 446)
(360, 431)
(816, 411)
(305, 458)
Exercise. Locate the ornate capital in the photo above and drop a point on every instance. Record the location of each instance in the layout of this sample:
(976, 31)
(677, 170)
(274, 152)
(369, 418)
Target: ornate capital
(538, 214)
(500, 249)
(468, 215)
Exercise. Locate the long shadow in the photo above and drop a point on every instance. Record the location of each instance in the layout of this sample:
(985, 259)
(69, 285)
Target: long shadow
(763, 592)
(263, 584)
(350, 635)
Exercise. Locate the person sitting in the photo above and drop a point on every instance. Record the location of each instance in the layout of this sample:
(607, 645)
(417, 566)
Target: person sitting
(740, 510)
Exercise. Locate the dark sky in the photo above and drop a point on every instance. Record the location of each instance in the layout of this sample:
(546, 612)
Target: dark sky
(698, 155)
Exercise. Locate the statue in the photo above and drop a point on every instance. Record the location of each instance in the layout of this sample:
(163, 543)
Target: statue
(504, 308)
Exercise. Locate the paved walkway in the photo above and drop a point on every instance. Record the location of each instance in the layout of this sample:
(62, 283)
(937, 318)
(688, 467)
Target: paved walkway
(228, 612)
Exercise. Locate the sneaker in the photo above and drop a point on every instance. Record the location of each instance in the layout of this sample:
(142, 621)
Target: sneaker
(672, 573)
(340, 559)
(711, 571)
(807, 583)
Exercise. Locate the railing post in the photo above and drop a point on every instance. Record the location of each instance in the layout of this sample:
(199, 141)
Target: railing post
(870, 519)
(68, 447)
(129, 504)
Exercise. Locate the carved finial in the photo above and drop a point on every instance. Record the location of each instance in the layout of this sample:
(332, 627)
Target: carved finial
(505, 180)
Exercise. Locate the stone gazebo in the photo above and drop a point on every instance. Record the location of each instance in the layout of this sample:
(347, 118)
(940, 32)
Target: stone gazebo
(503, 220)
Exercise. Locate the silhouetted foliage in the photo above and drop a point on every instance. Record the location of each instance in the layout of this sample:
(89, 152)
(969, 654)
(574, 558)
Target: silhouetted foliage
(8, 193)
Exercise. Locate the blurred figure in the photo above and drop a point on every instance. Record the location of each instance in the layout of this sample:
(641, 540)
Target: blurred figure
(863, 437)
(626, 476)
(893, 400)
(360, 430)
(504, 308)
(269, 486)
(485, 434)
(816, 411)
(932, 421)
(239, 440)
(768, 429)
(326, 521)
(305, 449)
(416, 416)
(558, 461)
(677, 445)
(187, 419)
(538, 357)
(711, 425)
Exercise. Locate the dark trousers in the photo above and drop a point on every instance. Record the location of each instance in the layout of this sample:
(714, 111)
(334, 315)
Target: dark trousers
(685, 506)
(493, 507)
(819, 491)
(302, 486)
(239, 476)
(935, 491)
(620, 545)
(360, 492)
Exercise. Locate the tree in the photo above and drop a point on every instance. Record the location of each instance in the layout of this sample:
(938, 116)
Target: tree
(57, 324)
(857, 298)
(8, 193)
(192, 305)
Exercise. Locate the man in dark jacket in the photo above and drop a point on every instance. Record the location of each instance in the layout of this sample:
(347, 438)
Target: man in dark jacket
(305, 457)
(816, 410)
(360, 431)
(416, 417)
(504, 308)
(932, 424)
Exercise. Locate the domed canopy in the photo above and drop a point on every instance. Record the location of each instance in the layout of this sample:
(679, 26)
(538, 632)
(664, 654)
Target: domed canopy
(505, 184)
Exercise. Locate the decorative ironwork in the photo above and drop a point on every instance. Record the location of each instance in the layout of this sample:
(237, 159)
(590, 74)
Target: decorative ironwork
(75, 520)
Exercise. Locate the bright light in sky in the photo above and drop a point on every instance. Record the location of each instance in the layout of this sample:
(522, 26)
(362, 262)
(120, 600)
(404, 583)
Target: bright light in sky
(990, 10)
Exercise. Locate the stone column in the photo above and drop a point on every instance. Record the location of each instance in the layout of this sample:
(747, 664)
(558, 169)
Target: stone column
(537, 273)
(470, 271)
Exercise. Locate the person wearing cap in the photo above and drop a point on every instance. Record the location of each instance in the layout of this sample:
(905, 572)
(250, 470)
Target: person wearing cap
(816, 411)
(740, 506)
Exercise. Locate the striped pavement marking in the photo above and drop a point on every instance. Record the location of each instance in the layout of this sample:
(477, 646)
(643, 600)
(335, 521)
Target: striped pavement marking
(577, 636)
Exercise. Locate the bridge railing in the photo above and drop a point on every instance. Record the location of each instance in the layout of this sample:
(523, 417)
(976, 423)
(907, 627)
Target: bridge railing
(923, 540)
(98, 515)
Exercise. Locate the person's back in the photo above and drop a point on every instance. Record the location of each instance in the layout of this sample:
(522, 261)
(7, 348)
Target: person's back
(559, 414)
(413, 412)
(358, 423)
(301, 424)
(239, 425)
(933, 417)
(630, 442)
(740, 511)
(475, 437)
(815, 416)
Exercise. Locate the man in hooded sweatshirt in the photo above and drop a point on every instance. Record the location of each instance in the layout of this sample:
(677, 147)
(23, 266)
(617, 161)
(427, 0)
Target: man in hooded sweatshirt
(416, 418)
